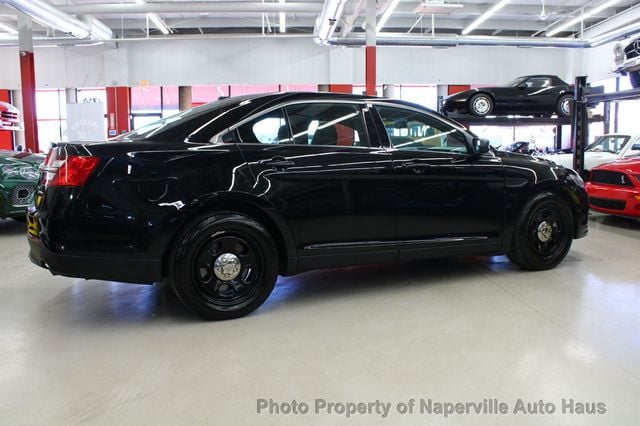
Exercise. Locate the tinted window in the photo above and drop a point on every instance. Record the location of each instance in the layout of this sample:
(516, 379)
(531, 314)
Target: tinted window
(538, 82)
(327, 124)
(270, 128)
(410, 130)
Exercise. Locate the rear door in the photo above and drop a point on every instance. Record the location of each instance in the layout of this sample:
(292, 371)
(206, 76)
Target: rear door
(448, 199)
(330, 181)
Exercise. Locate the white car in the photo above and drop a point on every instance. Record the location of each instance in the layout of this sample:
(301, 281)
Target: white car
(603, 150)
(628, 61)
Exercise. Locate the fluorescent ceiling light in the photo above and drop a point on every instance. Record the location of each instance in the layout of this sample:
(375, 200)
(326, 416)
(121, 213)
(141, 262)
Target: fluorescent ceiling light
(485, 16)
(283, 20)
(583, 16)
(8, 29)
(387, 13)
(157, 21)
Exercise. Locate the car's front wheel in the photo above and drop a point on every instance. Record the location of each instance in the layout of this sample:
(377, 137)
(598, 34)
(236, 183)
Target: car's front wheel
(563, 107)
(224, 266)
(481, 104)
(634, 79)
(542, 234)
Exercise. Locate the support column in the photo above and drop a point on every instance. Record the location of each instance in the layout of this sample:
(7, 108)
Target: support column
(28, 82)
(370, 52)
(71, 95)
(389, 90)
(118, 110)
(184, 98)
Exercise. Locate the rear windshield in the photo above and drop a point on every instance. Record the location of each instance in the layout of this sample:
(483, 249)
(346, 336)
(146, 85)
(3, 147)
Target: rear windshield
(191, 125)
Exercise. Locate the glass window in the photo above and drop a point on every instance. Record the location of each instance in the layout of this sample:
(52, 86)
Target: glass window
(422, 95)
(169, 101)
(270, 128)
(413, 131)
(538, 82)
(328, 124)
(612, 144)
(146, 99)
(201, 95)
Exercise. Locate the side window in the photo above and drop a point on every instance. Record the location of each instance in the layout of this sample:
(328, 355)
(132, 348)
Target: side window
(270, 128)
(538, 82)
(328, 124)
(413, 131)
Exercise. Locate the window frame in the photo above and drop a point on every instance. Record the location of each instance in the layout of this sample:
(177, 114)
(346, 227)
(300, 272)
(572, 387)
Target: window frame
(468, 138)
(362, 105)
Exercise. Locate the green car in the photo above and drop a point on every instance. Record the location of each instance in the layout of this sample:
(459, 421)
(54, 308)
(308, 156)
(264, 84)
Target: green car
(18, 178)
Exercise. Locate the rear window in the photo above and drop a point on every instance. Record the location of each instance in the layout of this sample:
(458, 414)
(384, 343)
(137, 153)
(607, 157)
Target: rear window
(195, 125)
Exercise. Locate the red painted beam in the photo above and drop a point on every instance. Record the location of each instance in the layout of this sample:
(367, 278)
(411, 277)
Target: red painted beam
(118, 110)
(370, 70)
(28, 80)
(341, 88)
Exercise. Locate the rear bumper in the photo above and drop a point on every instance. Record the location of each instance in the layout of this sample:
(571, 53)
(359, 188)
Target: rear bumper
(129, 270)
(622, 201)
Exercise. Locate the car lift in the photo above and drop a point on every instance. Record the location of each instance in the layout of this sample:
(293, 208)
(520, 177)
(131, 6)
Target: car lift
(579, 116)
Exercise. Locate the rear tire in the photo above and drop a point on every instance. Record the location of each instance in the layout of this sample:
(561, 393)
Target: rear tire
(542, 234)
(634, 79)
(224, 266)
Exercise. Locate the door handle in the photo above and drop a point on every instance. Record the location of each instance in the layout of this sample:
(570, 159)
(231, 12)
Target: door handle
(416, 165)
(278, 163)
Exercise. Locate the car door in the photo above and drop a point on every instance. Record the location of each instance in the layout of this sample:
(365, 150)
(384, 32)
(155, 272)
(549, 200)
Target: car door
(448, 199)
(330, 181)
(537, 94)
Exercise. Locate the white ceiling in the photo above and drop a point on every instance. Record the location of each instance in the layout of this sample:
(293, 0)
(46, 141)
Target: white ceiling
(518, 18)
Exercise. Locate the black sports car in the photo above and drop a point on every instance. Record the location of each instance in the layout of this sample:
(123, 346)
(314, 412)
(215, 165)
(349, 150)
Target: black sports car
(529, 95)
(221, 199)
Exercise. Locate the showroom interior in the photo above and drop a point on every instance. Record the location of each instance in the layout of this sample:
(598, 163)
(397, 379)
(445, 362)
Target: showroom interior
(464, 339)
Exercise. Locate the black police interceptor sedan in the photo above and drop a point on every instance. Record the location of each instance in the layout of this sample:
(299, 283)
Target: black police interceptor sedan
(222, 199)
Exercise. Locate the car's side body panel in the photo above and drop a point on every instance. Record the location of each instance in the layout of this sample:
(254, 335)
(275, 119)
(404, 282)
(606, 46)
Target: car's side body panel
(323, 205)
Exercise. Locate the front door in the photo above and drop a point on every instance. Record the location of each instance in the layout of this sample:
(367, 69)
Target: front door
(448, 199)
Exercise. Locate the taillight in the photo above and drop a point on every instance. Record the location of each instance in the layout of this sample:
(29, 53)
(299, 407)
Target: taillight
(74, 170)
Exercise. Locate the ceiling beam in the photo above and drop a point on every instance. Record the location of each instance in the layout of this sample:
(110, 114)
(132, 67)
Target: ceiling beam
(196, 7)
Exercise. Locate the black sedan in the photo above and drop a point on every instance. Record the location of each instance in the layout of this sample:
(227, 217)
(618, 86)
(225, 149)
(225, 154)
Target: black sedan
(221, 199)
(541, 95)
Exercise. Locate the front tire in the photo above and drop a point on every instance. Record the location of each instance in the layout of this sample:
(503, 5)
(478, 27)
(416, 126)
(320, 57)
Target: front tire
(542, 234)
(481, 105)
(634, 79)
(224, 266)
(563, 107)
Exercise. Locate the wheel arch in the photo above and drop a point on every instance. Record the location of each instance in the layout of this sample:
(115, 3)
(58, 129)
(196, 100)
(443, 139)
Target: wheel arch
(556, 187)
(258, 209)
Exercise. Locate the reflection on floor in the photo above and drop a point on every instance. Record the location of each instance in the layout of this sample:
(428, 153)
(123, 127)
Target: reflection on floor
(452, 330)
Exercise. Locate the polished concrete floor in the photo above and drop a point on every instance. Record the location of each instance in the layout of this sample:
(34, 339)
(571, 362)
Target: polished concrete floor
(459, 330)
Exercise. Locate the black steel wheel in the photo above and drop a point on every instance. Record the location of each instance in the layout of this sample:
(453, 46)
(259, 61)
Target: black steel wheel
(224, 266)
(543, 233)
(563, 108)
(481, 104)
(634, 79)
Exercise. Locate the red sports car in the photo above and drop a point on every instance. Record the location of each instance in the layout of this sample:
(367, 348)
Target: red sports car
(615, 188)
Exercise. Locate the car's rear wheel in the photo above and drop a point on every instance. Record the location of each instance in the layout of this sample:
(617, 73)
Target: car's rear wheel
(481, 104)
(634, 79)
(542, 233)
(563, 108)
(224, 266)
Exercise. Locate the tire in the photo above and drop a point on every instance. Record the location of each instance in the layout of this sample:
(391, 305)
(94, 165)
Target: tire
(535, 246)
(563, 106)
(224, 266)
(634, 79)
(481, 105)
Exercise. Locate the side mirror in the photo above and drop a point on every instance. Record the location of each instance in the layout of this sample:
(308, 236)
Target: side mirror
(481, 145)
